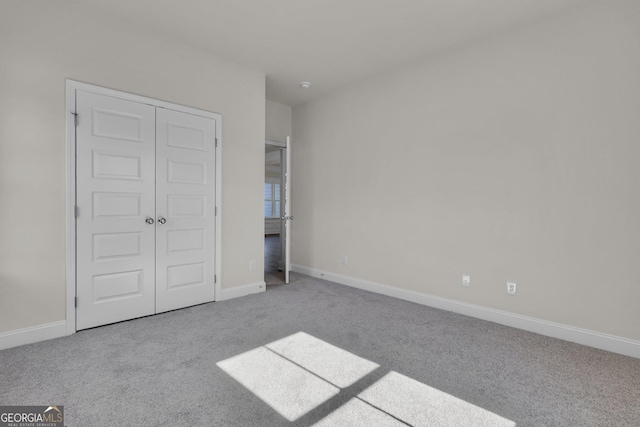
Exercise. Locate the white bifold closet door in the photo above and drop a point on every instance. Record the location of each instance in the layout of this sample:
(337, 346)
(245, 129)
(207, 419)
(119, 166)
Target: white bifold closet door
(145, 188)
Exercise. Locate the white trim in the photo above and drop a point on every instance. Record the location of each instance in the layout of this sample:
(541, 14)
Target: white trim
(217, 291)
(76, 85)
(33, 334)
(242, 290)
(70, 213)
(71, 87)
(586, 337)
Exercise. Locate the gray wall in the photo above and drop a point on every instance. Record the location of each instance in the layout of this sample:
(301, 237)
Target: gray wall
(511, 159)
(41, 44)
(278, 121)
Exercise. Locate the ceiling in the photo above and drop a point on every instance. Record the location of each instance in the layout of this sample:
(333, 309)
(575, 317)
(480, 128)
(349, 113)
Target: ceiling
(329, 43)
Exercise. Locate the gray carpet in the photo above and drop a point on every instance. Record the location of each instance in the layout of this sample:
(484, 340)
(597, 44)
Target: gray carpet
(161, 370)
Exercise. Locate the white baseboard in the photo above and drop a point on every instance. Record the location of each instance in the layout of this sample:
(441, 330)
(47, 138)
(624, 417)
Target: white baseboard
(33, 334)
(59, 329)
(599, 340)
(242, 290)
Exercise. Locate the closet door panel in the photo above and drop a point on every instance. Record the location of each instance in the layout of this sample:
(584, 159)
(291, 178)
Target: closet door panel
(185, 206)
(115, 185)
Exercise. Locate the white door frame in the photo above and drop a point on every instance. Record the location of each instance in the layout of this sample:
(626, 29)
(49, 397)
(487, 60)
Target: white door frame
(282, 146)
(71, 87)
(285, 203)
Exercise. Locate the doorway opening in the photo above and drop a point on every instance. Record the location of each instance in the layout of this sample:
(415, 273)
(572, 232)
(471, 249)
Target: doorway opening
(273, 212)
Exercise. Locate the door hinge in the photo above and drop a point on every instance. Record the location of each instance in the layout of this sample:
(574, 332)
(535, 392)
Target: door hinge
(75, 301)
(76, 211)
(215, 213)
(75, 119)
(215, 278)
(216, 142)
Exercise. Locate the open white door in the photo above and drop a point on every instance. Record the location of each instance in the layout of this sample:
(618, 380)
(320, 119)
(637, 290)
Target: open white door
(287, 217)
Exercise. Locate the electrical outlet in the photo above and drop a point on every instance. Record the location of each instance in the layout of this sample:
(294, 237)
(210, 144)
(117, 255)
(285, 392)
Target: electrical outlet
(466, 280)
(511, 288)
(252, 265)
(343, 259)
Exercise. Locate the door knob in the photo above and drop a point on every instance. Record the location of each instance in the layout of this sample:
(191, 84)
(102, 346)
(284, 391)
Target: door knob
(149, 220)
(284, 218)
(162, 220)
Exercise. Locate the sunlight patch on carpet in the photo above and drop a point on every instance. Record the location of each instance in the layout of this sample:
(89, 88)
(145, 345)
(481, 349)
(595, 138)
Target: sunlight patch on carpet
(327, 361)
(357, 413)
(418, 405)
(298, 373)
(287, 388)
